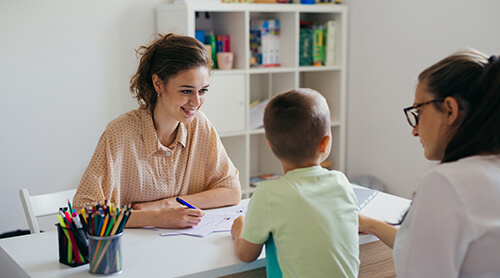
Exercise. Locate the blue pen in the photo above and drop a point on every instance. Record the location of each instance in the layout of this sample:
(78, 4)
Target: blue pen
(179, 200)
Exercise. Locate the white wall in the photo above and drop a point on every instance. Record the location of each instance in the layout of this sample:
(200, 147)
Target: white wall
(64, 72)
(391, 42)
(65, 67)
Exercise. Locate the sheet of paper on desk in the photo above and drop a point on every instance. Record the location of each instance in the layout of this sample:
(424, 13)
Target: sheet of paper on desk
(364, 195)
(210, 223)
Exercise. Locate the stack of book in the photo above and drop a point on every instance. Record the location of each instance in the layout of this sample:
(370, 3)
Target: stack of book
(317, 43)
(213, 43)
(265, 43)
(255, 180)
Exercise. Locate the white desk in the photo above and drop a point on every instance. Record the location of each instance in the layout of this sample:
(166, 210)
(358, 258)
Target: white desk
(146, 254)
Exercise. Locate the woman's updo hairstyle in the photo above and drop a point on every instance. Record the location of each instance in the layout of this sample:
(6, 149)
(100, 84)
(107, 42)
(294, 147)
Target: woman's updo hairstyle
(473, 79)
(166, 56)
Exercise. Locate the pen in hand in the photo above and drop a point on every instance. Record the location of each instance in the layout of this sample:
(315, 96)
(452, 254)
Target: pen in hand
(180, 201)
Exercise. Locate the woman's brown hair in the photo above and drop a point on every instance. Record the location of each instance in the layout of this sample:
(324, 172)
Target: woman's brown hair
(166, 56)
(474, 80)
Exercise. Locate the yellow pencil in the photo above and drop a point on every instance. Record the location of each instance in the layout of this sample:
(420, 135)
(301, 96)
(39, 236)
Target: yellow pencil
(83, 212)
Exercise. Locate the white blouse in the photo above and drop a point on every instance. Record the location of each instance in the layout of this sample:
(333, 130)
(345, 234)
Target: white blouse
(453, 226)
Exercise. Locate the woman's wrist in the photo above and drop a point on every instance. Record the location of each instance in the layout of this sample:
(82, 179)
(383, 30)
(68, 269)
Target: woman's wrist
(375, 226)
(141, 218)
(383, 230)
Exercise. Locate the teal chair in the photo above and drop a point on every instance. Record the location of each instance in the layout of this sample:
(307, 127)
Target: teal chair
(273, 269)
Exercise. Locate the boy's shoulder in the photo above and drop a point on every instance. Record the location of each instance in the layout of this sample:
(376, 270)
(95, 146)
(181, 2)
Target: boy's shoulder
(319, 174)
(304, 176)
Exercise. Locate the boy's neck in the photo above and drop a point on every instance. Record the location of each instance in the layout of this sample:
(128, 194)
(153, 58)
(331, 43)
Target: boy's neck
(292, 166)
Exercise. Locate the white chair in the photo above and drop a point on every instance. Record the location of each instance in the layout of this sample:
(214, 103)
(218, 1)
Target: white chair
(43, 205)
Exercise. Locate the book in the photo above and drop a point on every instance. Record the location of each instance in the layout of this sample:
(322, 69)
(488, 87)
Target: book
(200, 35)
(265, 60)
(364, 195)
(318, 46)
(277, 44)
(226, 45)
(254, 180)
(274, 44)
(265, 42)
(256, 42)
(212, 41)
(330, 29)
(317, 43)
(306, 46)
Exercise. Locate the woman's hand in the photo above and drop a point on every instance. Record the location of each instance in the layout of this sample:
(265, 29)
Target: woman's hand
(364, 224)
(384, 231)
(158, 204)
(177, 217)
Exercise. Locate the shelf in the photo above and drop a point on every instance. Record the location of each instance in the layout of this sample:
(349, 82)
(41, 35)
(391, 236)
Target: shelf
(271, 70)
(257, 131)
(241, 7)
(228, 72)
(319, 68)
(232, 91)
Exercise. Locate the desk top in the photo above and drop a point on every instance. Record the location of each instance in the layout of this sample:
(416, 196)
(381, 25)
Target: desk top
(376, 260)
(145, 253)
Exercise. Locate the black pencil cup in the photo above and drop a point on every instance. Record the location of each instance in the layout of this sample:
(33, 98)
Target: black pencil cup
(73, 249)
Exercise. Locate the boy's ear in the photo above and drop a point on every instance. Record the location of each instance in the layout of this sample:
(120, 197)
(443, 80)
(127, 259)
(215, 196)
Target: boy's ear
(323, 145)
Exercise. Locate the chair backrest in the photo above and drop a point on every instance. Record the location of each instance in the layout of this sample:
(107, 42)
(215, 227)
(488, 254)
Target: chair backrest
(43, 205)
(273, 269)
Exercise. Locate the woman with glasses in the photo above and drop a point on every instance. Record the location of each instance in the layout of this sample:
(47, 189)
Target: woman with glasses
(452, 228)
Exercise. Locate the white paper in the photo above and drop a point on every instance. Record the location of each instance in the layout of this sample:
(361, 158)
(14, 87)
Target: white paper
(257, 115)
(364, 196)
(210, 223)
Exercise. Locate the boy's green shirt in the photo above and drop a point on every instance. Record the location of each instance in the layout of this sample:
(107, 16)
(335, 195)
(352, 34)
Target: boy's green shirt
(313, 216)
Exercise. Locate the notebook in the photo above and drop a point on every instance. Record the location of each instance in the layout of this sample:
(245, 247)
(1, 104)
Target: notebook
(364, 195)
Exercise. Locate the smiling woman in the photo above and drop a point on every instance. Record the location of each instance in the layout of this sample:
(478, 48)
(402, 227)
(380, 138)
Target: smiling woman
(179, 100)
(165, 148)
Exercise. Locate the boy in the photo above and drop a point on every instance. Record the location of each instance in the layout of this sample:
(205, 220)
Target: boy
(311, 212)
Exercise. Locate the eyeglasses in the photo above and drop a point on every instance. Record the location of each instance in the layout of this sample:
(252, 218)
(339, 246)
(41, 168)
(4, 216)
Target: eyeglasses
(412, 112)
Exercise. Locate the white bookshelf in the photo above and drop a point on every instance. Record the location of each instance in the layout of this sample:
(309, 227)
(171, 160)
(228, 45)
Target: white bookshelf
(232, 91)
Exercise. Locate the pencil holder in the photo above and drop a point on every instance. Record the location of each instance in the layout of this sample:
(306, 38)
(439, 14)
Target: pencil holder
(73, 250)
(105, 254)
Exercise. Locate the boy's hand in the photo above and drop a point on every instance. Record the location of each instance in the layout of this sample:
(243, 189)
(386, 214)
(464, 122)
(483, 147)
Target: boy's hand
(245, 250)
(237, 227)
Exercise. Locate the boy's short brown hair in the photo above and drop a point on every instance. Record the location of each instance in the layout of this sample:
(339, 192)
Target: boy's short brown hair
(295, 121)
